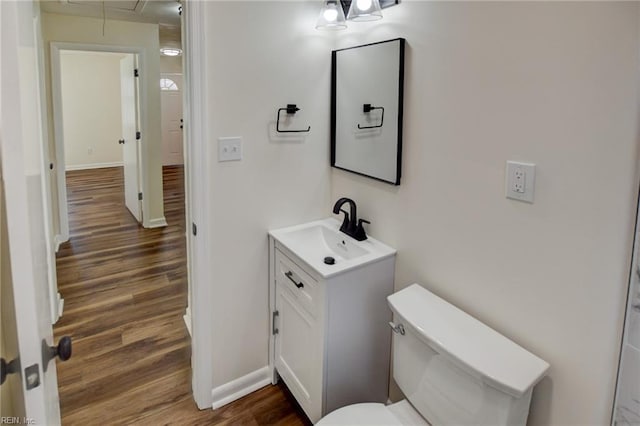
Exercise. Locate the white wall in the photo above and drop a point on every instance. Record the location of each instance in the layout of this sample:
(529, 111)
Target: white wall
(274, 57)
(91, 109)
(551, 83)
(76, 29)
(171, 64)
(555, 84)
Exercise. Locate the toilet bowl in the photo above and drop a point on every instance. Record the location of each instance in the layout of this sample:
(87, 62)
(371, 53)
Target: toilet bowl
(453, 369)
(374, 414)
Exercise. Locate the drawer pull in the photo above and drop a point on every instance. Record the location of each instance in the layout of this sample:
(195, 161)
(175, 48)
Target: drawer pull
(397, 328)
(289, 275)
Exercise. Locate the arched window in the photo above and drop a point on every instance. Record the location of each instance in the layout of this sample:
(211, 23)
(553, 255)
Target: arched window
(168, 84)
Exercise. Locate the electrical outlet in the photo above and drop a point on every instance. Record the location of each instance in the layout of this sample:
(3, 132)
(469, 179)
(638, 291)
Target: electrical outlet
(520, 181)
(90, 150)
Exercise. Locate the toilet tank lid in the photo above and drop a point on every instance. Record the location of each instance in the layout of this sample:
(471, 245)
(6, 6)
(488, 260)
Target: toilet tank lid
(470, 344)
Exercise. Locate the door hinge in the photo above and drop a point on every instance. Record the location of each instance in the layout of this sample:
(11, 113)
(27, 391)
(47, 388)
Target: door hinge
(136, 73)
(274, 330)
(140, 196)
(194, 229)
(138, 136)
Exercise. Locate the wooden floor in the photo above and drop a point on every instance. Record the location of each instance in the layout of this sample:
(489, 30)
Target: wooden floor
(125, 292)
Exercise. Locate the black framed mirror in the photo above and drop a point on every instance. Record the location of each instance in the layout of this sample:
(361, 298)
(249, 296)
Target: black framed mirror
(367, 84)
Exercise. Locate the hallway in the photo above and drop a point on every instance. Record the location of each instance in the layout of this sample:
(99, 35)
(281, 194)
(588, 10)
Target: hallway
(125, 291)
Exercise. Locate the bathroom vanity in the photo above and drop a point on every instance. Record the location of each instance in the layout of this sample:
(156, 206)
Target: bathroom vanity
(330, 339)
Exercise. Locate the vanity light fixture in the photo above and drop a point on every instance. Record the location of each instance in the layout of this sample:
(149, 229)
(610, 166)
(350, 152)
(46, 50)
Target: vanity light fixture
(331, 16)
(171, 51)
(364, 10)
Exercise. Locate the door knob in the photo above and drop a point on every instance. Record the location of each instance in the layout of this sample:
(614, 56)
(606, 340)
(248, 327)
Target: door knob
(121, 141)
(62, 351)
(8, 368)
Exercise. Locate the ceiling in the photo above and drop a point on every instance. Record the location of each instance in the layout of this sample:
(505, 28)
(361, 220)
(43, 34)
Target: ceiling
(162, 12)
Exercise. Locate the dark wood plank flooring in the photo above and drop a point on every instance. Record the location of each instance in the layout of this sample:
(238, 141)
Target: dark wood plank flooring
(125, 292)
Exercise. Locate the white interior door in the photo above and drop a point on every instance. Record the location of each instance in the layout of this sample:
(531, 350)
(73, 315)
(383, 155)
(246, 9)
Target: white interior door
(21, 161)
(131, 146)
(172, 147)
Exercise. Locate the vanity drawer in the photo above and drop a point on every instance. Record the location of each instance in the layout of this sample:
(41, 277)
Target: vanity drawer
(301, 285)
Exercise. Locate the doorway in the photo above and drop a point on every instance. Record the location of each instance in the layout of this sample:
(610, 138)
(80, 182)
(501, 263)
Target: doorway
(125, 285)
(97, 93)
(99, 110)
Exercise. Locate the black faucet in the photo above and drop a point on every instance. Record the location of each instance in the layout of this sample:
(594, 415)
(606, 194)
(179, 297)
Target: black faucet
(351, 225)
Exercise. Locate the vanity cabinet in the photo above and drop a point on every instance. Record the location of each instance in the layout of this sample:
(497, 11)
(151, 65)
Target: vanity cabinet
(330, 338)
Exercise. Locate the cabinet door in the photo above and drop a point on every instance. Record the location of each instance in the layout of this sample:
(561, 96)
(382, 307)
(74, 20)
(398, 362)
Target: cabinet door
(298, 358)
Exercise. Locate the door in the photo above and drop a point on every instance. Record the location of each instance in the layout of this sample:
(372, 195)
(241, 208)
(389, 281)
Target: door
(171, 90)
(298, 348)
(22, 182)
(296, 357)
(131, 145)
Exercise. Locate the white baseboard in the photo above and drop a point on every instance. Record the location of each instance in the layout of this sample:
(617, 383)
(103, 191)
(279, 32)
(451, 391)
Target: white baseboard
(59, 239)
(187, 320)
(69, 167)
(158, 222)
(236, 389)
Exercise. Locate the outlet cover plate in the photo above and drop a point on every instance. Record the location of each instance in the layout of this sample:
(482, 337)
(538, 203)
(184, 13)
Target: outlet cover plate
(230, 148)
(520, 181)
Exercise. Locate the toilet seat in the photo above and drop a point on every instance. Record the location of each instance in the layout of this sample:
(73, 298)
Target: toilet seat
(371, 414)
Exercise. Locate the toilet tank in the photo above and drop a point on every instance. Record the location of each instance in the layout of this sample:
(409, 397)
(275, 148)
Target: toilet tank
(454, 369)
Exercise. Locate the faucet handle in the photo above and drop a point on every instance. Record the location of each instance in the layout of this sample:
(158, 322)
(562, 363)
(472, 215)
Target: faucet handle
(360, 235)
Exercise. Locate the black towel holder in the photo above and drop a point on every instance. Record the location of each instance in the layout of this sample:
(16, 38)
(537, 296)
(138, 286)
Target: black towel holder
(290, 109)
(366, 108)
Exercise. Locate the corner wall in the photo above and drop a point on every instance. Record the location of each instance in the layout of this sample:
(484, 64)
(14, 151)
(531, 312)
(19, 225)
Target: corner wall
(260, 57)
(75, 29)
(551, 83)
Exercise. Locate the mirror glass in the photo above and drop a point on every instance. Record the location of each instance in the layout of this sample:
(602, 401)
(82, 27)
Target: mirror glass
(366, 109)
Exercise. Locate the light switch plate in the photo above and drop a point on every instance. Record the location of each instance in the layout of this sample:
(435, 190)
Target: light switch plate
(230, 149)
(520, 181)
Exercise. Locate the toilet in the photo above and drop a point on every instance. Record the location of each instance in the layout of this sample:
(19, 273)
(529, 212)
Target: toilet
(453, 370)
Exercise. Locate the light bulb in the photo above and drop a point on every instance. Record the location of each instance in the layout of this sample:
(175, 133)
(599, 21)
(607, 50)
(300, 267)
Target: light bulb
(171, 51)
(364, 4)
(365, 10)
(331, 15)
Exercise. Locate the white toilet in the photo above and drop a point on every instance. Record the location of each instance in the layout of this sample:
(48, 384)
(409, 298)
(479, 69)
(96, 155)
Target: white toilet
(453, 369)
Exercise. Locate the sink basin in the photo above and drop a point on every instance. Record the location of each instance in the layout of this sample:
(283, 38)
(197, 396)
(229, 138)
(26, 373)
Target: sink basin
(314, 241)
